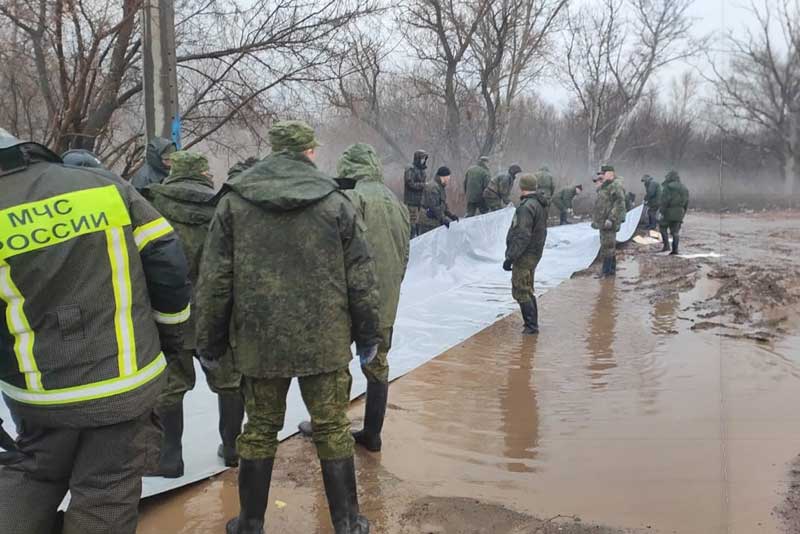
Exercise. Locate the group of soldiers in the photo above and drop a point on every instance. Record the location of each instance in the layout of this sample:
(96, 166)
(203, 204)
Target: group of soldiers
(110, 290)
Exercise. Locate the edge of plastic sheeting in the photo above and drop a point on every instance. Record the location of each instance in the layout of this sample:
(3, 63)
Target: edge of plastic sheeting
(454, 288)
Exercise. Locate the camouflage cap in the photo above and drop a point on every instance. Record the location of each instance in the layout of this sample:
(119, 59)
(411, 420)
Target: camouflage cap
(294, 136)
(484, 159)
(672, 175)
(186, 163)
(607, 168)
(528, 182)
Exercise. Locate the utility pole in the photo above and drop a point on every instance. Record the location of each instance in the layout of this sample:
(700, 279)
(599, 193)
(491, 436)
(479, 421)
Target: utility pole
(162, 116)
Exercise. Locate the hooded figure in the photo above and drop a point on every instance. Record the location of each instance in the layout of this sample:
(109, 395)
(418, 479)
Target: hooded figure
(672, 210)
(186, 199)
(156, 166)
(652, 199)
(388, 234)
(413, 185)
(287, 272)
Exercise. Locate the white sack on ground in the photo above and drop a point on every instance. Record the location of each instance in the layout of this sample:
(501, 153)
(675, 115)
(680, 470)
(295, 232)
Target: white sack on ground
(455, 286)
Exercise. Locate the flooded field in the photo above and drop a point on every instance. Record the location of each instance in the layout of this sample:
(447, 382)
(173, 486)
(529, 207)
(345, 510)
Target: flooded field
(663, 401)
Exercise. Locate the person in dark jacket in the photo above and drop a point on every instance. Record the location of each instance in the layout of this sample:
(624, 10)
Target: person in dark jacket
(524, 246)
(435, 212)
(93, 286)
(476, 181)
(563, 202)
(156, 163)
(672, 210)
(79, 157)
(413, 187)
(652, 199)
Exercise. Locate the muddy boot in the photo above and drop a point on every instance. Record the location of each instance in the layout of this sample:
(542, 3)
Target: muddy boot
(339, 477)
(170, 461)
(254, 481)
(374, 413)
(675, 241)
(665, 240)
(530, 316)
(305, 428)
(606, 268)
(231, 414)
(612, 266)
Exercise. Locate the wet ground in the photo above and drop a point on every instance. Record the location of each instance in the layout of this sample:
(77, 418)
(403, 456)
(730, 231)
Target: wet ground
(662, 401)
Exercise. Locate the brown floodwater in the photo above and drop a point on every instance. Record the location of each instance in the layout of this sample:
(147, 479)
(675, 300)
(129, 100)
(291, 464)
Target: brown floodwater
(617, 414)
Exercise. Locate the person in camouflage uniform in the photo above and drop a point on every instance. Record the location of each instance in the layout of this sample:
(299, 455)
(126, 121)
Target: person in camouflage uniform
(156, 163)
(498, 193)
(524, 246)
(563, 202)
(287, 272)
(608, 215)
(434, 203)
(185, 199)
(388, 235)
(475, 182)
(652, 199)
(545, 182)
(241, 166)
(672, 210)
(413, 186)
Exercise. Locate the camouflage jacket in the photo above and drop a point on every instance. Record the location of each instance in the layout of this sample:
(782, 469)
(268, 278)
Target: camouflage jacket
(413, 186)
(528, 231)
(546, 186)
(387, 220)
(187, 203)
(609, 205)
(563, 200)
(499, 189)
(674, 200)
(287, 266)
(475, 181)
(434, 202)
(652, 196)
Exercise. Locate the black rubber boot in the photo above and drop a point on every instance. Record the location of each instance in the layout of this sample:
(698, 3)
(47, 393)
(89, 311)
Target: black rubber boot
(231, 415)
(374, 413)
(612, 266)
(339, 477)
(665, 240)
(530, 317)
(170, 461)
(606, 270)
(254, 480)
(675, 241)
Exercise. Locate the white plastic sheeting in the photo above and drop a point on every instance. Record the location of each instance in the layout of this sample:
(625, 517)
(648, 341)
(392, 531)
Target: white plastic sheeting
(454, 288)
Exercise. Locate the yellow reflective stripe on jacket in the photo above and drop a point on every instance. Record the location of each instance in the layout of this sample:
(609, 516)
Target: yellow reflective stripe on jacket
(173, 318)
(150, 232)
(123, 300)
(44, 223)
(96, 390)
(20, 328)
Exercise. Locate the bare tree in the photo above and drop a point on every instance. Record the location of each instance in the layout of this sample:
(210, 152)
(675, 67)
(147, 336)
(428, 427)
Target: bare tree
(510, 48)
(613, 53)
(761, 87)
(441, 33)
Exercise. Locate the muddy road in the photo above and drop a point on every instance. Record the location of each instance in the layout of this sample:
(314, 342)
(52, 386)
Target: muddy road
(662, 401)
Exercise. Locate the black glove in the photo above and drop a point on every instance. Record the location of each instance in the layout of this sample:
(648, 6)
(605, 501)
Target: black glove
(7, 443)
(455, 218)
(430, 213)
(446, 222)
(507, 265)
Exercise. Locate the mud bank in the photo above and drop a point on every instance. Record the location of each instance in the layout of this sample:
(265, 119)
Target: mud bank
(621, 413)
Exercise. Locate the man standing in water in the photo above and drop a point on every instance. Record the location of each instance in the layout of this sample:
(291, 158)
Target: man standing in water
(524, 247)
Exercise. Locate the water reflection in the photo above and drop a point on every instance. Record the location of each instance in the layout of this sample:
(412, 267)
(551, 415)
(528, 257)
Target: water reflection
(521, 409)
(600, 337)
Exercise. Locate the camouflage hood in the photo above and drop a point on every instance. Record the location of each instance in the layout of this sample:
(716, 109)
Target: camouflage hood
(183, 200)
(360, 162)
(283, 181)
(155, 150)
(672, 176)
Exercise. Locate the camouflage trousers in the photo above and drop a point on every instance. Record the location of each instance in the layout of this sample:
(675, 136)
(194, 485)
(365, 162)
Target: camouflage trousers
(522, 276)
(327, 397)
(414, 215)
(652, 217)
(494, 204)
(101, 467)
(608, 243)
(474, 207)
(378, 369)
(673, 227)
(181, 377)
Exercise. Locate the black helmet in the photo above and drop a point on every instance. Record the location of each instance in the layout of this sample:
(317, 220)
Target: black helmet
(81, 158)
